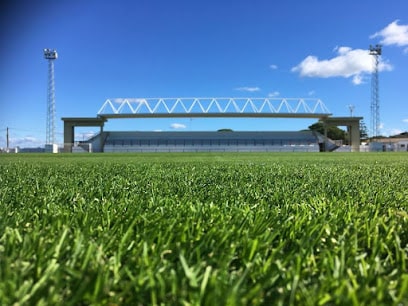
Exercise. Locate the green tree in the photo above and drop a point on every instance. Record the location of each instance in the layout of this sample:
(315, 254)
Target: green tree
(225, 130)
(333, 132)
(363, 131)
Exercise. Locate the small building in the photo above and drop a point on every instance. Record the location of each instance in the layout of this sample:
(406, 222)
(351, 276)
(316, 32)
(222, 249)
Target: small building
(390, 145)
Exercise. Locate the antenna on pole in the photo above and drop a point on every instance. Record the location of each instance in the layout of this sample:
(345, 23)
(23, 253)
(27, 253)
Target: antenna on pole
(351, 109)
(50, 55)
(375, 97)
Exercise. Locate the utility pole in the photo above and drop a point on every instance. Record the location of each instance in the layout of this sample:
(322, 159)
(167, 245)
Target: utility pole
(7, 139)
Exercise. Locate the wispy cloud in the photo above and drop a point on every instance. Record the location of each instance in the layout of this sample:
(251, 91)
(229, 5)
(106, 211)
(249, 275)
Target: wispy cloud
(274, 94)
(405, 120)
(357, 79)
(311, 93)
(130, 100)
(178, 126)
(348, 63)
(389, 131)
(26, 141)
(248, 89)
(395, 132)
(273, 66)
(85, 135)
(393, 34)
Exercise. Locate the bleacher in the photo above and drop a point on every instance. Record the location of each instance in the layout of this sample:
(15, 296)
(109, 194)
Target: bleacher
(304, 141)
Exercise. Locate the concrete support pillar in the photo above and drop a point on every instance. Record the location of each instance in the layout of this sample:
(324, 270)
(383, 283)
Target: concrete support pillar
(101, 140)
(325, 136)
(355, 136)
(69, 136)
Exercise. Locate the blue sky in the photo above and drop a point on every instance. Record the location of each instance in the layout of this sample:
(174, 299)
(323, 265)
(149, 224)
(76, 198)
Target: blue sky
(180, 48)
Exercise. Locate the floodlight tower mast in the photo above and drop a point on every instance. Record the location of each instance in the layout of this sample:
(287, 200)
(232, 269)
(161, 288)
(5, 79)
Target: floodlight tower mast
(50, 55)
(375, 97)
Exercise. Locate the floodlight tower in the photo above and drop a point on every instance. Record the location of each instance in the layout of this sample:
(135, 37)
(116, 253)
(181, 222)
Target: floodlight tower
(375, 97)
(50, 55)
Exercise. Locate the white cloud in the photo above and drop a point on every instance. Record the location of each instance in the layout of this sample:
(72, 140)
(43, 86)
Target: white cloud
(85, 135)
(26, 141)
(178, 126)
(357, 79)
(389, 131)
(130, 100)
(393, 34)
(395, 132)
(392, 131)
(273, 67)
(311, 93)
(274, 94)
(348, 63)
(248, 89)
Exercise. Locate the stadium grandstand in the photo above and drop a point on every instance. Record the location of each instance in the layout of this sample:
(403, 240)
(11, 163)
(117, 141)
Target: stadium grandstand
(221, 141)
(209, 141)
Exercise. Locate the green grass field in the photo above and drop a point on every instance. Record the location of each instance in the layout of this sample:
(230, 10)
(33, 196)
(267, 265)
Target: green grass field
(204, 229)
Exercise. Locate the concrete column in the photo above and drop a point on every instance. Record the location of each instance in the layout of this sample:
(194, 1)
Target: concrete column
(101, 140)
(68, 137)
(355, 137)
(325, 135)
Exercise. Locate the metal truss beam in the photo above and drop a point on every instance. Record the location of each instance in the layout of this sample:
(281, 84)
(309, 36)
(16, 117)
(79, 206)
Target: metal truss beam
(213, 107)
